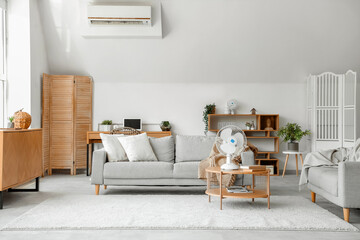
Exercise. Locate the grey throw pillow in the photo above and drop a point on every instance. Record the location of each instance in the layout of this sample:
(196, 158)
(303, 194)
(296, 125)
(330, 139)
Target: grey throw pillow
(163, 148)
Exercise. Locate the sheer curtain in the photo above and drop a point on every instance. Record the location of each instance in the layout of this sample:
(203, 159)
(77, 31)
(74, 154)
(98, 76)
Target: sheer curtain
(2, 62)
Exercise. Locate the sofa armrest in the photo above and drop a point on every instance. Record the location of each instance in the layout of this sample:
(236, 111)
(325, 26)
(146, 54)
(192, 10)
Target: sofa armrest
(98, 161)
(247, 158)
(349, 184)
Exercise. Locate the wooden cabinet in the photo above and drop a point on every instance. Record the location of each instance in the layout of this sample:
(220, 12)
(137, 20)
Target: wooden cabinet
(67, 116)
(20, 156)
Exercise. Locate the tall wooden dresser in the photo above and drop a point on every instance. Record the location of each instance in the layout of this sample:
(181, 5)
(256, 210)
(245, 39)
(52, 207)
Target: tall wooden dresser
(66, 118)
(20, 157)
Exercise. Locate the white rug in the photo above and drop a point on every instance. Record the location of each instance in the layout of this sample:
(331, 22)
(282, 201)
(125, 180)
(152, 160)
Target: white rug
(177, 212)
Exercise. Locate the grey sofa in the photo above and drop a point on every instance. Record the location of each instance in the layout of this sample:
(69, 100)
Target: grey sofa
(177, 166)
(340, 185)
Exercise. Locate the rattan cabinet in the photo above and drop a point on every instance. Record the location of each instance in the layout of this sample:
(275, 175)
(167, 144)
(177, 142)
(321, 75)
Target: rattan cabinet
(66, 118)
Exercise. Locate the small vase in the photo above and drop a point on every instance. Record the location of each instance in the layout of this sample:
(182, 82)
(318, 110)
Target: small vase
(247, 128)
(293, 146)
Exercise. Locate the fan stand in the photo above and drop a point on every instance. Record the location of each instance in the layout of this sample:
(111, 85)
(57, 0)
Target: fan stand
(229, 165)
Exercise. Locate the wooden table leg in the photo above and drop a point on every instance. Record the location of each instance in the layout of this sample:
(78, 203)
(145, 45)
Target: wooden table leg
(208, 184)
(268, 188)
(253, 184)
(302, 161)
(297, 170)
(287, 158)
(221, 191)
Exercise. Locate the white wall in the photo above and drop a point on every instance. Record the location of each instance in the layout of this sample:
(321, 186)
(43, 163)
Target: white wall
(39, 63)
(258, 51)
(18, 55)
(26, 59)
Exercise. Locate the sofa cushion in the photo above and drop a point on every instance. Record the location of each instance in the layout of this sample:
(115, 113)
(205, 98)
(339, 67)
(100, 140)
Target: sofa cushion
(193, 148)
(164, 148)
(138, 148)
(325, 178)
(114, 151)
(186, 169)
(138, 170)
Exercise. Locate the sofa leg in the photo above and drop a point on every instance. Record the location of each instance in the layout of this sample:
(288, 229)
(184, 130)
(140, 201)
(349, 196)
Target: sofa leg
(313, 197)
(97, 189)
(346, 214)
(105, 187)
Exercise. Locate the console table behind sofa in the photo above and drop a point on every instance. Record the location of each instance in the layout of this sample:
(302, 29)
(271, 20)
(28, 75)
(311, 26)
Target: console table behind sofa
(94, 137)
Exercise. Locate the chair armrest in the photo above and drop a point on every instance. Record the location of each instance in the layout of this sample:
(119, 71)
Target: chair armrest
(349, 184)
(247, 158)
(98, 161)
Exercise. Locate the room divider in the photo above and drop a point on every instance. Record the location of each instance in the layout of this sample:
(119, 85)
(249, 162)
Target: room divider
(66, 118)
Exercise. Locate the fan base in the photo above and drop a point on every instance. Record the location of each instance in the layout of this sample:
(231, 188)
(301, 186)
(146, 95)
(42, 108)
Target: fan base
(229, 166)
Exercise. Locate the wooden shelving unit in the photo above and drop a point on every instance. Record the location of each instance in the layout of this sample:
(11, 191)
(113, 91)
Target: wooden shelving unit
(265, 140)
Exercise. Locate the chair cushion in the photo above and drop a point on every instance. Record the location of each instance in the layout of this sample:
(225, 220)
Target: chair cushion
(325, 178)
(138, 170)
(186, 169)
(193, 148)
(164, 148)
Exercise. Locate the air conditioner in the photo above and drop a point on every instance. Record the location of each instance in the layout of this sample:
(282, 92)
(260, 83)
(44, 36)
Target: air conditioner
(119, 15)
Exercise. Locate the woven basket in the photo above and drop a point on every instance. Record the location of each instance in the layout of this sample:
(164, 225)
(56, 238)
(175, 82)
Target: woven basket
(125, 131)
(22, 120)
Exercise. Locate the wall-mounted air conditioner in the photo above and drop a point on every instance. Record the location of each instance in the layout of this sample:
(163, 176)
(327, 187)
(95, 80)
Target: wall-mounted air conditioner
(119, 15)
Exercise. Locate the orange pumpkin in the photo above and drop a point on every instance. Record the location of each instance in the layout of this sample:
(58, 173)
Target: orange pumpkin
(22, 119)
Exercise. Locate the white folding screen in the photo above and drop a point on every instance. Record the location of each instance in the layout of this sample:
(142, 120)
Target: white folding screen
(331, 110)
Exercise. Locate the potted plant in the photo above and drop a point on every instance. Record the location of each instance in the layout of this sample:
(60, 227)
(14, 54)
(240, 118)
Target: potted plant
(105, 125)
(208, 109)
(165, 126)
(292, 134)
(248, 125)
(11, 122)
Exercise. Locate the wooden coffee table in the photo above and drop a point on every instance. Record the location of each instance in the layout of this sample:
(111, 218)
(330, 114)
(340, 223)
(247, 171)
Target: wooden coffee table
(223, 192)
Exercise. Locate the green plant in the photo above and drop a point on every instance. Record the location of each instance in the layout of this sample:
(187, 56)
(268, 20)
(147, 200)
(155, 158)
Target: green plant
(208, 109)
(292, 132)
(165, 123)
(106, 122)
(11, 119)
(248, 124)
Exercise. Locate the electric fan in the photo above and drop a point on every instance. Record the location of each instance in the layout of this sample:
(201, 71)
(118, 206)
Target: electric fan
(230, 141)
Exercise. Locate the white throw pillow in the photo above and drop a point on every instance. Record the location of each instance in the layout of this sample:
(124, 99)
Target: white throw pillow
(114, 151)
(138, 148)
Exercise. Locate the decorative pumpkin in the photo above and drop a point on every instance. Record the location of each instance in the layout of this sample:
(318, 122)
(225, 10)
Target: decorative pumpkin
(22, 119)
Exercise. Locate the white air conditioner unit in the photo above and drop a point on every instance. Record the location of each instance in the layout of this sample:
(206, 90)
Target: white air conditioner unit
(119, 15)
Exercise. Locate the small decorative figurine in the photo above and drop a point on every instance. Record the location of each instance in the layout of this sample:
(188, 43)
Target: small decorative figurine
(269, 124)
(253, 111)
(252, 125)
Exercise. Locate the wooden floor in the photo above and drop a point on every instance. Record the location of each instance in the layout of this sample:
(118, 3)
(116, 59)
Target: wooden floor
(16, 204)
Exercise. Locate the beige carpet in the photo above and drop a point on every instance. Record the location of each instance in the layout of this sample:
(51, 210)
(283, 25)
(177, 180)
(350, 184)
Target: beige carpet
(176, 212)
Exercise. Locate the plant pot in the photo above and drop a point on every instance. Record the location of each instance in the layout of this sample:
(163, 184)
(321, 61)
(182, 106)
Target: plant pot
(293, 146)
(105, 128)
(10, 125)
(165, 127)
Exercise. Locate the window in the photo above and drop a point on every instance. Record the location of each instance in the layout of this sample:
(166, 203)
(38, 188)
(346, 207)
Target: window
(2, 62)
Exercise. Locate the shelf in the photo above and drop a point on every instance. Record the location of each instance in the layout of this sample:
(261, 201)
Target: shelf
(261, 137)
(244, 130)
(225, 193)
